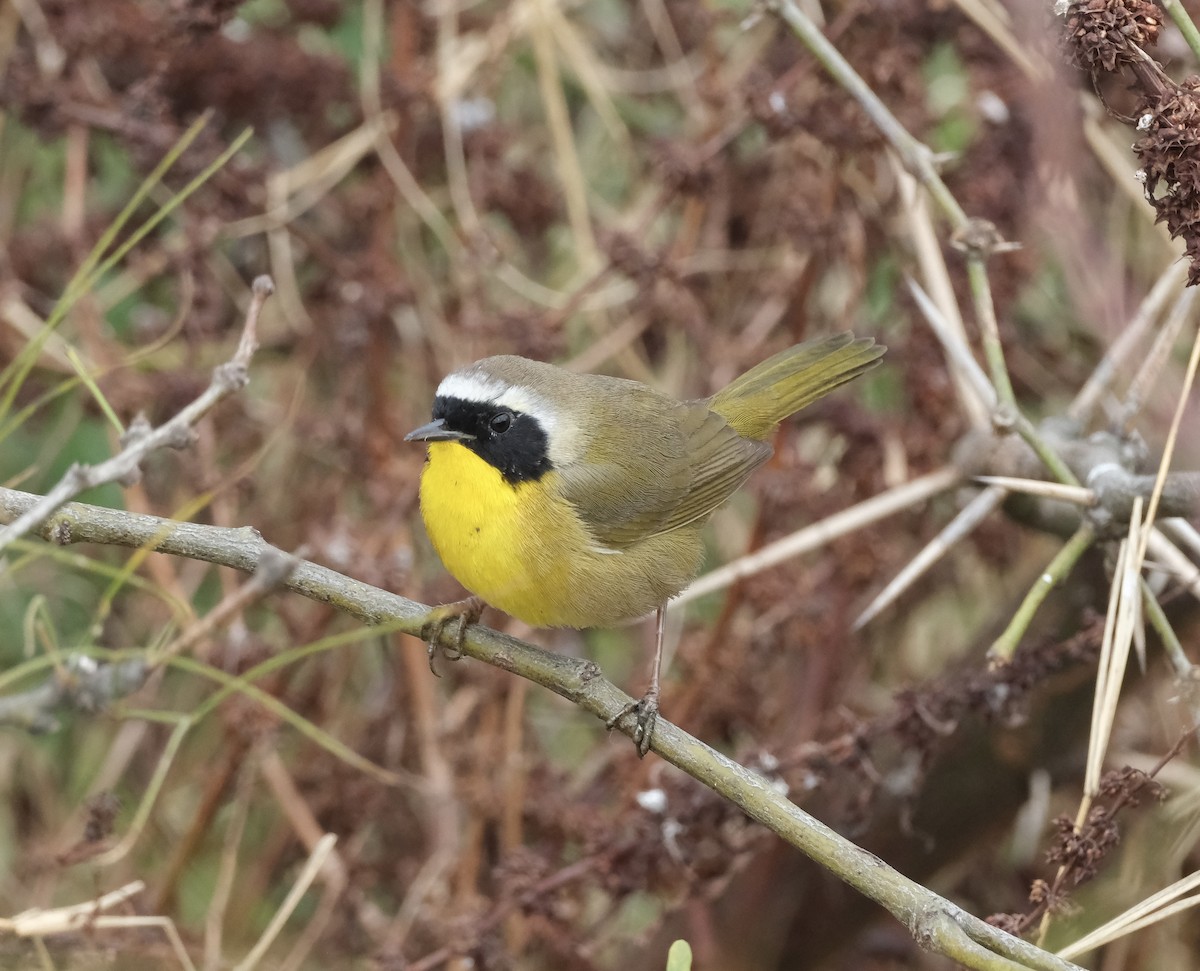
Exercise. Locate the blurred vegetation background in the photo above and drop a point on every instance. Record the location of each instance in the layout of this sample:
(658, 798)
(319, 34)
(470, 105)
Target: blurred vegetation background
(665, 190)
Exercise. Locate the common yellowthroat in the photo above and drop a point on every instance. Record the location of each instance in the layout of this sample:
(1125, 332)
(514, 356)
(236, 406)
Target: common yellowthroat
(577, 500)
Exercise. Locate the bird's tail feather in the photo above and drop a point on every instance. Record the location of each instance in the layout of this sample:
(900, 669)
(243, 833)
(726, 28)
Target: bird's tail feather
(760, 399)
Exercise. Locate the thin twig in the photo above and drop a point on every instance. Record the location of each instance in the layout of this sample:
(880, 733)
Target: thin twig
(140, 439)
(1006, 644)
(316, 860)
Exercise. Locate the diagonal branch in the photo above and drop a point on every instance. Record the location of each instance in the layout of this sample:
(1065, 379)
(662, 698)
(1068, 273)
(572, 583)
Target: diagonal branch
(935, 922)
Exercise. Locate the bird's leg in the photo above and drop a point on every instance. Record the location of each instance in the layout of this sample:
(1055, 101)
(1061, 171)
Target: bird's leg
(466, 612)
(647, 706)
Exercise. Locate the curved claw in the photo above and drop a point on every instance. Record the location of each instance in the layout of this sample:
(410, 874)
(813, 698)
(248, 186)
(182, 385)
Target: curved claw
(433, 630)
(646, 710)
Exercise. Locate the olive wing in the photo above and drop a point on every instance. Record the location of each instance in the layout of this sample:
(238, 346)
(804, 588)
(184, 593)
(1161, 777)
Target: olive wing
(655, 468)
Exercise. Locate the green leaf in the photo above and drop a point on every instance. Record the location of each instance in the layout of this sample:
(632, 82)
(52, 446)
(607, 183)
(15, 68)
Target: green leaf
(679, 958)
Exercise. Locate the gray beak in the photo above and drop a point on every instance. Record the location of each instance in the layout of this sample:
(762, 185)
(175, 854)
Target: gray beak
(436, 431)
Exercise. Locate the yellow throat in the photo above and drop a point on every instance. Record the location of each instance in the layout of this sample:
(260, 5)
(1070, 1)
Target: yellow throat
(506, 543)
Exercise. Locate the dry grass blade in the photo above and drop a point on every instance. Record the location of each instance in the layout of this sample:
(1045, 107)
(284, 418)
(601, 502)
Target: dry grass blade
(995, 21)
(223, 889)
(38, 921)
(1166, 903)
(558, 118)
(1124, 604)
(294, 191)
(582, 61)
(316, 860)
(1124, 614)
(1169, 447)
(1184, 534)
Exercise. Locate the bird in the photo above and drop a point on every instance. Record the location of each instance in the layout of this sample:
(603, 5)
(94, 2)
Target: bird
(578, 500)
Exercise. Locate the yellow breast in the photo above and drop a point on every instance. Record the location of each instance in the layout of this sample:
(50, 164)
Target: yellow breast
(510, 545)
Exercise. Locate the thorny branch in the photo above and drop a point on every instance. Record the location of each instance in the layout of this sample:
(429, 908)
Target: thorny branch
(1113, 468)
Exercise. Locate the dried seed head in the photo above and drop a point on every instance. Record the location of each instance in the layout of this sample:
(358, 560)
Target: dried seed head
(1100, 35)
(1169, 151)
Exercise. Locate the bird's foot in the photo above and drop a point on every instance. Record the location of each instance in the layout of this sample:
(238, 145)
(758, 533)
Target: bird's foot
(433, 630)
(646, 710)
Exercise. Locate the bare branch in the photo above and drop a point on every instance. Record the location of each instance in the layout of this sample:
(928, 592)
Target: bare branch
(140, 439)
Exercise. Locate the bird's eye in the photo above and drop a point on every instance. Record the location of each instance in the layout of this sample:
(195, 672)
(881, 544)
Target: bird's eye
(501, 422)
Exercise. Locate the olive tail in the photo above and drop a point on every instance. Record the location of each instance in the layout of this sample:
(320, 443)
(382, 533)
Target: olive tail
(765, 395)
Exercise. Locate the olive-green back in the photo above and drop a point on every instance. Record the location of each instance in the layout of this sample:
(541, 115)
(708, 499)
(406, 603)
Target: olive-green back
(635, 463)
(653, 464)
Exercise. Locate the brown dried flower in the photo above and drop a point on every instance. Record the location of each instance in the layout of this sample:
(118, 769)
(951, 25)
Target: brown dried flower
(1102, 34)
(1169, 150)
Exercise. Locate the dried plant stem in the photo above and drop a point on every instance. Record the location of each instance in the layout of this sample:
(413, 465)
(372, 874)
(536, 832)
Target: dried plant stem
(218, 908)
(1165, 903)
(940, 308)
(985, 312)
(1062, 564)
(987, 17)
(1123, 615)
(1163, 549)
(1120, 618)
(939, 924)
(37, 923)
(1040, 487)
(314, 865)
